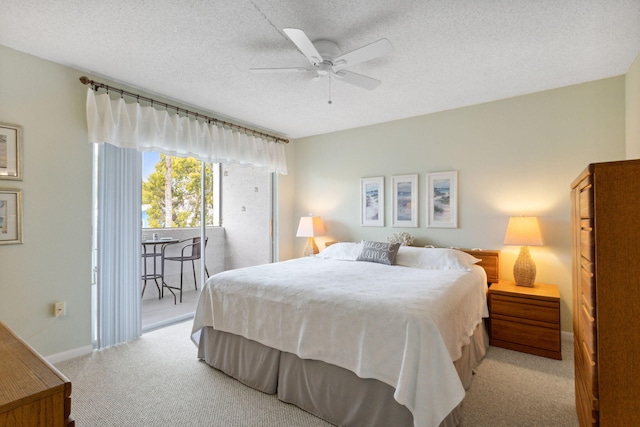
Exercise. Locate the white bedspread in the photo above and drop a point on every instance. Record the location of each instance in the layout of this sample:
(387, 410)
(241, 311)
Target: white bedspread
(403, 326)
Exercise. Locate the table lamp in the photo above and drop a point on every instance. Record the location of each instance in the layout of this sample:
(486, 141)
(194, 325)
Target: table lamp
(309, 227)
(524, 231)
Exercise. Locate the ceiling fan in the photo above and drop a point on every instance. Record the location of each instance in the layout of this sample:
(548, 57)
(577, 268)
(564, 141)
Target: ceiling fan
(326, 60)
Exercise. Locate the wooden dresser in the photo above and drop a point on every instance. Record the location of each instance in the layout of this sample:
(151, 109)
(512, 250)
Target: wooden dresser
(32, 392)
(605, 204)
(525, 319)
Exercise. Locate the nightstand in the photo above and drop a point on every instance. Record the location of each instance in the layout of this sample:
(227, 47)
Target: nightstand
(525, 319)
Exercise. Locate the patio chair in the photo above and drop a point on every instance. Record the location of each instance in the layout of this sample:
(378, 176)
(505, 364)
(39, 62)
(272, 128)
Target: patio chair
(189, 252)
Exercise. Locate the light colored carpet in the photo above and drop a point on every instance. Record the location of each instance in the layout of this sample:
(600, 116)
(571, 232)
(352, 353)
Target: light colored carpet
(516, 389)
(158, 381)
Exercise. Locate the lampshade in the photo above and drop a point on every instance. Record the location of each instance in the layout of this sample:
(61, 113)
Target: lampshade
(524, 231)
(309, 227)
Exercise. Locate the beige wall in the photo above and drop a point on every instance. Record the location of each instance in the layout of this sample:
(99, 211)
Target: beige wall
(632, 89)
(286, 225)
(516, 156)
(54, 262)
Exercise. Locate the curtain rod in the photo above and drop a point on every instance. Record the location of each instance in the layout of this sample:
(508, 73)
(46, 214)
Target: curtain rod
(96, 85)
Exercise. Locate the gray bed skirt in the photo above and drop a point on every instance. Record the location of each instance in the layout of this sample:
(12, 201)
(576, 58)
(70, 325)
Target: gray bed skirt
(327, 391)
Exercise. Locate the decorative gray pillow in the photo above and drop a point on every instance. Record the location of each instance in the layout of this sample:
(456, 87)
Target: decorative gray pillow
(383, 253)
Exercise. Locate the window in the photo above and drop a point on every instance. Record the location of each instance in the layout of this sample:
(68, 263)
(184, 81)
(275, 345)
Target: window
(171, 192)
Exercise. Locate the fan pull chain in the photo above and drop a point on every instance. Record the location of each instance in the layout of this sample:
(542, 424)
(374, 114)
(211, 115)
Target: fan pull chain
(330, 101)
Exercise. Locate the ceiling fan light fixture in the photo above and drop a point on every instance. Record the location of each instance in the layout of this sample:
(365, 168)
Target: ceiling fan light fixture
(324, 68)
(324, 56)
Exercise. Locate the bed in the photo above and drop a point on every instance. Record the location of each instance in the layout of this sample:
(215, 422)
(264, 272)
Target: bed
(358, 335)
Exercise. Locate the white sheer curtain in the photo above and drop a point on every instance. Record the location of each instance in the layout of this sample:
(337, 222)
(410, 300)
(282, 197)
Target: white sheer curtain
(147, 129)
(118, 240)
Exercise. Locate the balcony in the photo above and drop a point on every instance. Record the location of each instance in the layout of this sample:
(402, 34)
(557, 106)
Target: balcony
(228, 248)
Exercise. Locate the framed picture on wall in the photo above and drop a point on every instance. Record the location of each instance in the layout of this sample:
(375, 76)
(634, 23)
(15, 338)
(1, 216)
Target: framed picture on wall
(10, 216)
(442, 199)
(10, 151)
(405, 200)
(372, 202)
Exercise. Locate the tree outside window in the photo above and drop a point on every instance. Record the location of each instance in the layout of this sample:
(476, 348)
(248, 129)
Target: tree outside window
(171, 193)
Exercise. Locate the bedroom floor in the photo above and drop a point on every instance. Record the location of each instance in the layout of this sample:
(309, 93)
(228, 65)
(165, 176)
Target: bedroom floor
(157, 313)
(161, 382)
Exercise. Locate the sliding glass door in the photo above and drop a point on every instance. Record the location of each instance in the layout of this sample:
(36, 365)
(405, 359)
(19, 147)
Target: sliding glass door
(176, 193)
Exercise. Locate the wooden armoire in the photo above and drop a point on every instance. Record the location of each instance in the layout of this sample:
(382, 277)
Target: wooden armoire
(605, 202)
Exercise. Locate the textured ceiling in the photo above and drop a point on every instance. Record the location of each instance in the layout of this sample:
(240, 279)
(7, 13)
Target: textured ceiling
(448, 53)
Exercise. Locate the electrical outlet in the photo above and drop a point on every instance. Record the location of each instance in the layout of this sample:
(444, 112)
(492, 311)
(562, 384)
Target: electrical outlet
(59, 309)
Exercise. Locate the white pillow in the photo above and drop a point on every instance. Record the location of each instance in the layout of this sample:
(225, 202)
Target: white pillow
(345, 251)
(435, 258)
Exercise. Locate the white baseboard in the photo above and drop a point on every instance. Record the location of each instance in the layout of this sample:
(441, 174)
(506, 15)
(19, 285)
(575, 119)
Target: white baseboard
(70, 354)
(564, 335)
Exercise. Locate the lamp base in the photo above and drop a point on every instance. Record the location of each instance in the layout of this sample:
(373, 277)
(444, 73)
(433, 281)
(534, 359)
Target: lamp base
(310, 248)
(524, 270)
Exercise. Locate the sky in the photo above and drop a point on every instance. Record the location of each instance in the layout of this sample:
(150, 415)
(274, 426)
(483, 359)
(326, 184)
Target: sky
(149, 163)
(149, 160)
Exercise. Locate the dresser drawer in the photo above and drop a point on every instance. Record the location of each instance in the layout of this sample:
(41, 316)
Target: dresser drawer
(588, 308)
(586, 244)
(525, 308)
(525, 334)
(588, 289)
(588, 331)
(586, 202)
(588, 369)
(586, 404)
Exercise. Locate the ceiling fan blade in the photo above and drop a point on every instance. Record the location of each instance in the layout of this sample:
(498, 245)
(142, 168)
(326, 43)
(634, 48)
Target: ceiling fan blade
(300, 39)
(366, 53)
(278, 70)
(357, 79)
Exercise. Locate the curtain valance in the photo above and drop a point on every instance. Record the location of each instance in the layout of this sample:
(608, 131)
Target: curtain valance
(145, 128)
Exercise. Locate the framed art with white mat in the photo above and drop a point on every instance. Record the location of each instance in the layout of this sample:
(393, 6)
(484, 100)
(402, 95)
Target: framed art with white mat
(10, 216)
(10, 151)
(372, 202)
(442, 199)
(405, 200)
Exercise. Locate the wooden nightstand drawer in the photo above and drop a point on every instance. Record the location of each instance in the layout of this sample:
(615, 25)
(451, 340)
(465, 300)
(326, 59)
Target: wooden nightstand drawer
(525, 319)
(542, 311)
(525, 334)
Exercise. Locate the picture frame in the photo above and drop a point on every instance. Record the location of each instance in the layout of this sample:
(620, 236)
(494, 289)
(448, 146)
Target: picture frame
(405, 200)
(442, 199)
(10, 151)
(372, 202)
(10, 216)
